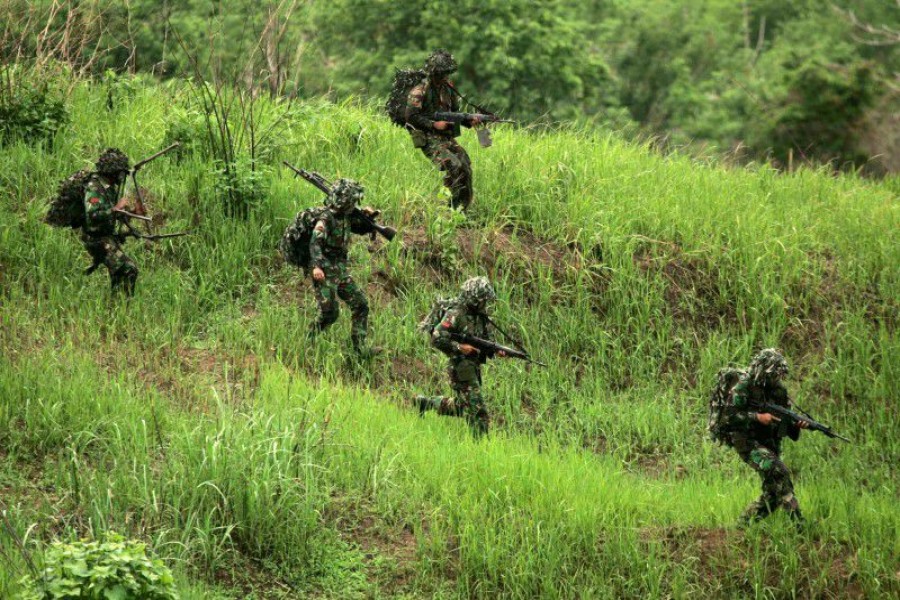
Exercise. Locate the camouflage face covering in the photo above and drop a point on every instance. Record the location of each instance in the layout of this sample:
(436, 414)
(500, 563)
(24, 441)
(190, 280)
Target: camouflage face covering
(113, 163)
(440, 63)
(768, 363)
(477, 291)
(345, 195)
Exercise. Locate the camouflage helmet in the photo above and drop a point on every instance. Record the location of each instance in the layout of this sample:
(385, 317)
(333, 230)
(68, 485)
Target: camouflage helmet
(112, 163)
(345, 195)
(768, 362)
(477, 290)
(440, 62)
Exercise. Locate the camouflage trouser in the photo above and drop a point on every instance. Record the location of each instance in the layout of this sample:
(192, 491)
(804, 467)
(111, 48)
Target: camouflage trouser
(777, 488)
(465, 379)
(107, 251)
(452, 159)
(339, 284)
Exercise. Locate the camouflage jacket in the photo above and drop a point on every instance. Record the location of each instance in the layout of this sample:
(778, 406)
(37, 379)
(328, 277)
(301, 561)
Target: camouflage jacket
(424, 100)
(100, 198)
(330, 240)
(458, 319)
(747, 396)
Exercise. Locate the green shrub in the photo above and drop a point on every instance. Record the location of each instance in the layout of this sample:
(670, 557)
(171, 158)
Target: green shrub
(31, 115)
(114, 569)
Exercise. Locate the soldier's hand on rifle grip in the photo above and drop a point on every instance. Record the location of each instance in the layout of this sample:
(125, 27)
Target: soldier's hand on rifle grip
(474, 121)
(502, 353)
(802, 424)
(441, 125)
(318, 274)
(468, 349)
(767, 418)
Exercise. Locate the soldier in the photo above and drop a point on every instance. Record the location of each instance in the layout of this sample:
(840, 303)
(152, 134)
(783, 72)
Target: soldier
(436, 139)
(466, 315)
(756, 436)
(328, 251)
(101, 199)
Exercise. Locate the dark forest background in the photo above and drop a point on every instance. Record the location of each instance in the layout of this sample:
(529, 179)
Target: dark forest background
(788, 82)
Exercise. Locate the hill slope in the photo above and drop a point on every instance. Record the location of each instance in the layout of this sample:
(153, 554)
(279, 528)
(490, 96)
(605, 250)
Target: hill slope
(197, 417)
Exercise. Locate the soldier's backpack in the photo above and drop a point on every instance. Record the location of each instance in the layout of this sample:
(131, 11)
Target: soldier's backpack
(439, 308)
(294, 244)
(720, 400)
(67, 207)
(404, 81)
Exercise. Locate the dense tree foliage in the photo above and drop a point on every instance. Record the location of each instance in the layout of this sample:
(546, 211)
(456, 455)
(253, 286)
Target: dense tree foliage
(802, 80)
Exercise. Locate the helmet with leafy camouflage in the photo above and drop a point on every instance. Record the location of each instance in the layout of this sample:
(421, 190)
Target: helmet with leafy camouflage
(113, 163)
(768, 362)
(345, 195)
(440, 62)
(476, 291)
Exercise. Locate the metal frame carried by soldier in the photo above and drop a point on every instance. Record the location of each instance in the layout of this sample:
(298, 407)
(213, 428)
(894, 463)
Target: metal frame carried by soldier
(318, 241)
(461, 329)
(427, 104)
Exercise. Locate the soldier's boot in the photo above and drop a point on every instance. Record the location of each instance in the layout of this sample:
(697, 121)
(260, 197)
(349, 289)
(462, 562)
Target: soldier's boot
(363, 349)
(423, 404)
(756, 511)
(792, 507)
(124, 278)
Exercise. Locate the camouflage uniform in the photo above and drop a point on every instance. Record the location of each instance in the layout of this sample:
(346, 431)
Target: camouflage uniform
(465, 316)
(98, 233)
(328, 250)
(759, 445)
(425, 99)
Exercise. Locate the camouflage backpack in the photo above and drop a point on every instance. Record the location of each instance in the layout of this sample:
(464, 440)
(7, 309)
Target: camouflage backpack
(404, 81)
(719, 401)
(439, 308)
(294, 244)
(67, 207)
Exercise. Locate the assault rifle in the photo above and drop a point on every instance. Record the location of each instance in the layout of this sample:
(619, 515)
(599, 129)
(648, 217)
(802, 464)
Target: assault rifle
(787, 416)
(487, 348)
(324, 186)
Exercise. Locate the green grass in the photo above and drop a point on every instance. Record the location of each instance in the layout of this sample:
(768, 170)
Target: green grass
(197, 418)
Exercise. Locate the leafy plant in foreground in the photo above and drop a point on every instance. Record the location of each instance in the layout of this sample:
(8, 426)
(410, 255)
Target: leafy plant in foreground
(112, 569)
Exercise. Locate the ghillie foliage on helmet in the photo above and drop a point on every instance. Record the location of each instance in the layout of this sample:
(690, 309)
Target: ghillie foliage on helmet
(113, 163)
(441, 62)
(476, 291)
(345, 195)
(769, 362)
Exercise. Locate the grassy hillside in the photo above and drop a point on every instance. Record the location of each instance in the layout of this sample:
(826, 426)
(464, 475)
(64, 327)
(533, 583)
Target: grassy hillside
(197, 418)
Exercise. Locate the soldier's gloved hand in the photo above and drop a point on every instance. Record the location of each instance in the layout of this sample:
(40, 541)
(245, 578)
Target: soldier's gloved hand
(767, 418)
(370, 212)
(318, 274)
(468, 349)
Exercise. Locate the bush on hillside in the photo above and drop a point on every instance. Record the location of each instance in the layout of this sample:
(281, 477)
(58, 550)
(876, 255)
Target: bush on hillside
(114, 569)
(30, 114)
